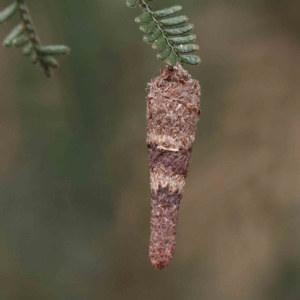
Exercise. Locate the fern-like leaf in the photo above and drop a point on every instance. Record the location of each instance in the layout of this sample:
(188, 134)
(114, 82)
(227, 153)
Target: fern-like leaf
(167, 32)
(24, 35)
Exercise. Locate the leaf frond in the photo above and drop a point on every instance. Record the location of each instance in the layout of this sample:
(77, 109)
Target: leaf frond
(25, 35)
(168, 33)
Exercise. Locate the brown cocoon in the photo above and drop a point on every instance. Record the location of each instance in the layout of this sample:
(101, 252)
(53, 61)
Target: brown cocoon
(173, 112)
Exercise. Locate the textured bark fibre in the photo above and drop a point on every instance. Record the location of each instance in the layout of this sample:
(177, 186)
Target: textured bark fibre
(173, 112)
(173, 163)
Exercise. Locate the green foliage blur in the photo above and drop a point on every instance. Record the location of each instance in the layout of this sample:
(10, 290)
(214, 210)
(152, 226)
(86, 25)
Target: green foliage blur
(75, 196)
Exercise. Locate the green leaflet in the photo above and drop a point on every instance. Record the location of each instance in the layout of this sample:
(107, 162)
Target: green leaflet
(150, 38)
(8, 12)
(160, 44)
(172, 59)
(27, 50)
(168, 11)
(183, 39)
(164, 53)
(179, 30)
(20, 41)
(53, 50)
(187, 48)
(148, 27)
(131, 3)
(49, 61)
(173, 21)
(167, 33)
(190, 59)
(24, 35)
(144, 18)
(17, 31)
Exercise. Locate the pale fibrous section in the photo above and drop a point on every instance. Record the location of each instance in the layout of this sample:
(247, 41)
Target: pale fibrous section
(168, 142)
(161, 179)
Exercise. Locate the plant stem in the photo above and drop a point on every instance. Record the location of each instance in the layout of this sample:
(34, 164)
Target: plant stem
(32, 34)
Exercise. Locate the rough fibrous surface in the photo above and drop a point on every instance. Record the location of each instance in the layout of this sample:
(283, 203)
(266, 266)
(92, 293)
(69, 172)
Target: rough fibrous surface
(172, 113)
(165, 210)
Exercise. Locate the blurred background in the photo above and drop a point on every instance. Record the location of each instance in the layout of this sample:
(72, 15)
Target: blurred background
(75, 196)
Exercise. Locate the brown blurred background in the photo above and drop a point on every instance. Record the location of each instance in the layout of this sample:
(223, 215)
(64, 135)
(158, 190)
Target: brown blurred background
(75, 196)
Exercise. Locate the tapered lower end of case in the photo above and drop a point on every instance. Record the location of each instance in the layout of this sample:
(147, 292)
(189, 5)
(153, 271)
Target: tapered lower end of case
(164, 217)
